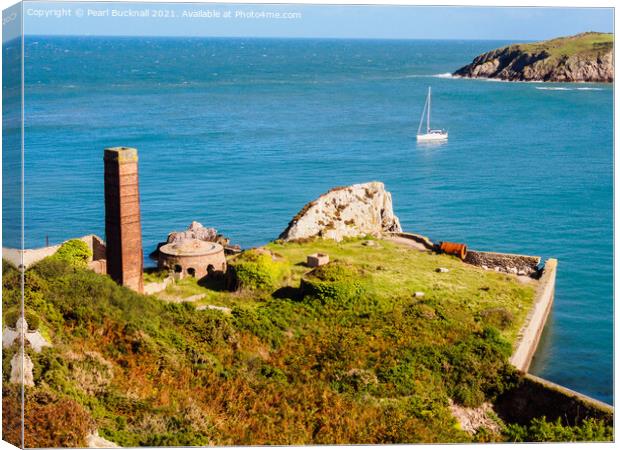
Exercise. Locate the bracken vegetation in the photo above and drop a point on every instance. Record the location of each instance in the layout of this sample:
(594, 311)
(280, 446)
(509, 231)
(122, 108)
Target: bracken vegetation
(350, 357)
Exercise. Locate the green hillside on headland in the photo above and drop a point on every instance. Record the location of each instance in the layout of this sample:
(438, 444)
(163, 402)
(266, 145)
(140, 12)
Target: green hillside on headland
(350, 352)
(590, 43)
(582, 57)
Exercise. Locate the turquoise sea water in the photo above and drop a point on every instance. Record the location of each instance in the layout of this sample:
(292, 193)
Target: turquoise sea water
(240, 133)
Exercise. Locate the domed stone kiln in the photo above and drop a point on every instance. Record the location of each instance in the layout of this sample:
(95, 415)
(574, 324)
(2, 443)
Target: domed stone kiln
(192, 257)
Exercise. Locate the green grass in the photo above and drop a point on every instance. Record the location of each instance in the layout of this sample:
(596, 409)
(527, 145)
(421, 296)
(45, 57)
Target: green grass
(284, 367)
(582, 44)
(155, 276)
(394, 272)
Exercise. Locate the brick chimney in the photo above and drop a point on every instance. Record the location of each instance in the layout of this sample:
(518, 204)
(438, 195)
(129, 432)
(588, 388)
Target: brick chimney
(122, 217)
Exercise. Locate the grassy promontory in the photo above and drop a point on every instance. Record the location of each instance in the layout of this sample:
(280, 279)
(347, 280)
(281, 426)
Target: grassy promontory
(582, 57)
(357, 359)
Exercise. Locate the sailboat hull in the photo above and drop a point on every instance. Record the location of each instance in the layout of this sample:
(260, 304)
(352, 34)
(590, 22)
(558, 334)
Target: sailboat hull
(432, 137)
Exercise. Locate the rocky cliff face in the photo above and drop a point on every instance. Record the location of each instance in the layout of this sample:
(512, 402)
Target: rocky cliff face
(350, 211)
(541, 62)
(195, 231)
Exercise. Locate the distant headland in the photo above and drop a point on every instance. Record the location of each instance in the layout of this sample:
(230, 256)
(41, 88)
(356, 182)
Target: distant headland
(585, 57)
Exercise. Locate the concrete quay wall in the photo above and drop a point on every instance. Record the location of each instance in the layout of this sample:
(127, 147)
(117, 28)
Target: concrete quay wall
(530, 333)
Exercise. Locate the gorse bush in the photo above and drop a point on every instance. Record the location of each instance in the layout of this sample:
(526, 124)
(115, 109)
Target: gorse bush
(358, 361)
(497, 317)
(336, 283)
(257, 270)
(12, 315)
(541, 430)
(74, 252)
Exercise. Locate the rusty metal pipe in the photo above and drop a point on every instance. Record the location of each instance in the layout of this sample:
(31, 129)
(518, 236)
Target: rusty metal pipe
(454, 248)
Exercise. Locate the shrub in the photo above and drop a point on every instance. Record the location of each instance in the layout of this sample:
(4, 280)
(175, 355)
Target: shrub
(257, 322)
(52, 421)
(475, 368)
(497, 317)
(257, 270)
(540, 430)
(75, 252)
(12, 316)
(335, 284)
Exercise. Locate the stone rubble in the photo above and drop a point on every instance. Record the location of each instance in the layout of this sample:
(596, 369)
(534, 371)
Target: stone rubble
(17, 376)
(472, 419)
(93, 440)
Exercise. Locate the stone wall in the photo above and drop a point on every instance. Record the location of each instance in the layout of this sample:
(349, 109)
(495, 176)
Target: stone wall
(530, 333)
(97, 245)
(199, 263)
(34, 255)
(504, 262)
(423, 240)
(535, 397)
(155, 287)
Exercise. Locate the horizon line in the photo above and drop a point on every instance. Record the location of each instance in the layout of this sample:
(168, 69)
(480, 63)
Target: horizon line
(300, 37)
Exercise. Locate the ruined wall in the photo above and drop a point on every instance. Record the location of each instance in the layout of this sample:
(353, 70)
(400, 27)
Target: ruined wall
(503, 262)
(536, 397)
(155, 287)
(423, 240)
(34, 255)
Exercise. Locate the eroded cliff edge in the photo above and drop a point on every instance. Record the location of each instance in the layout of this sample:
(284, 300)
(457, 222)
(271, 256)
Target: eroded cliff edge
(585, 57)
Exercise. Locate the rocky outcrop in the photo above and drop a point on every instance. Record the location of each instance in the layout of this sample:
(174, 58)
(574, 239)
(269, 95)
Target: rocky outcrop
(21, 370)
(197, 231)
(473, 419)
(580, 58)
(34, 338)
(351, 211)
(93, 440)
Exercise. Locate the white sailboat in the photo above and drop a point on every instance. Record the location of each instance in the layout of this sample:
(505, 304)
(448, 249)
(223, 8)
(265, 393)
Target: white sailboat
(430, 135)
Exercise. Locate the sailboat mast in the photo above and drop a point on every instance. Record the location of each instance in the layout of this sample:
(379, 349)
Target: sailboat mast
(422, 117)
(428, 117)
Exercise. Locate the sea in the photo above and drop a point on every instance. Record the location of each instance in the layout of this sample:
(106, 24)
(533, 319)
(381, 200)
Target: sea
(240, 133)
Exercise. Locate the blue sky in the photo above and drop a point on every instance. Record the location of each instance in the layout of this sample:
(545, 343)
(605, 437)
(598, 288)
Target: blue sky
(391, 22)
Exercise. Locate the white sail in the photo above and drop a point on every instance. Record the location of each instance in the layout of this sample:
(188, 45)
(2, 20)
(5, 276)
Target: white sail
(422, 117)
(430, 135)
